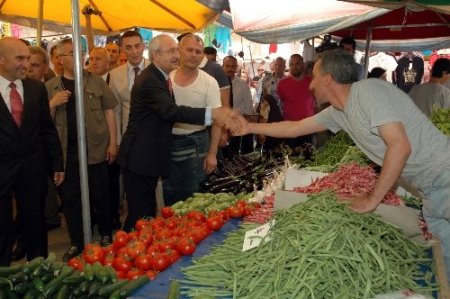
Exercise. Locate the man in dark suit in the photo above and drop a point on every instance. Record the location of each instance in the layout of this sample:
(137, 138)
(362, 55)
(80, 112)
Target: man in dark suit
(145, 148)
(28, 141)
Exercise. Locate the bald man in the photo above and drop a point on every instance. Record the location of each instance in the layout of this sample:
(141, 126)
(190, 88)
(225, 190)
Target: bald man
(30, 148)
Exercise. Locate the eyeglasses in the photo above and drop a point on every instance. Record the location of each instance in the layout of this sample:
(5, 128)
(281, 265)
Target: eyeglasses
(70, 54)
(171, 51)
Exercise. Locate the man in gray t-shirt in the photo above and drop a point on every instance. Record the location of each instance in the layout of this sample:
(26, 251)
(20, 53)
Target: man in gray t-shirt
(387, 126)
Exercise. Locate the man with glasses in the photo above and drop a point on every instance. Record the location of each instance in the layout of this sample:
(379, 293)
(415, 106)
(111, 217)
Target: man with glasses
(145, 148)
(100, 123)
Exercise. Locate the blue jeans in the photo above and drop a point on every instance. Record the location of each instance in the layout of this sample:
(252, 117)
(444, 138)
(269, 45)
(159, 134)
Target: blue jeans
(186, 170)
(436, 211)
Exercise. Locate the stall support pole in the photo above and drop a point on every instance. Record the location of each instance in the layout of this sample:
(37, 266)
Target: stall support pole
(82, 155)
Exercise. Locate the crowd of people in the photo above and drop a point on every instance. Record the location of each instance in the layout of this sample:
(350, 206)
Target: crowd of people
(168, 119)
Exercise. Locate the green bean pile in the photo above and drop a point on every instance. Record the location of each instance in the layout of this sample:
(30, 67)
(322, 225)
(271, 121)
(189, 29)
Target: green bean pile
(318, 249)
(338, 150)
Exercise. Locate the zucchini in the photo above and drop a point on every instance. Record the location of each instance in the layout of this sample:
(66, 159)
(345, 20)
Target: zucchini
(53, 286)
(115, 295)
(133, 285)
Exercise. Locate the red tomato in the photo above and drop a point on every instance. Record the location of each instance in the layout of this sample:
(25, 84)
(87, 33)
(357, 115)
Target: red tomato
(157, 223)
(134, 274)
(224, 215)
(196, 235)
(172, 224)
(143, 262)
(93, 253)
(186, 246)
(76, 263)
(241, 203)
(109, 259)
(133, 235)
(235, 211)
(152, 250)
(173, 255)
(194, 214)
(151, 274)
(121, 274)
(167, 212)
(109, 249)
(135, 248)
(165, 245)
(141, 224)
(214, 222)
(160, 262)
(120, 239)
(248, 211)
(122, 263)
(146, 237)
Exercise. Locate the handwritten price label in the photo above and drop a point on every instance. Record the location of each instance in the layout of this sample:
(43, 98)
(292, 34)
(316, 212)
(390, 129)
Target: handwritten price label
(254, 237)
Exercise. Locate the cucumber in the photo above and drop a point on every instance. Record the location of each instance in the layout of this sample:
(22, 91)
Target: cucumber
(112, 273)
(7, 271)
(89, 273)
(31, 294)
(115, 295)
(38, 284)
(48, 262)
(75, 279)
(109, 289)
(63, 292)
(133, 285)
(53, 286)
(18, 277)
(84, 287)
(5, 283)
(33, 264)
(94, 288)
(46, 277)
(23, 287)
(11, 295)
(174, 290)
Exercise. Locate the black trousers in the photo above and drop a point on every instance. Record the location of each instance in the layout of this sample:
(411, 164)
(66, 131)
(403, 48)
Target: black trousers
(141, 197)
(30, 199)
(100, 203)
(114, 188)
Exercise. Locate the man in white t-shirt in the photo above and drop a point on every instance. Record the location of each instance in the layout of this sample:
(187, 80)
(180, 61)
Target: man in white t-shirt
(194, 152)
(386, 125)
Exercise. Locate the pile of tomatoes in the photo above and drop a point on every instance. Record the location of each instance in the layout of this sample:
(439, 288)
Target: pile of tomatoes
(157, 243)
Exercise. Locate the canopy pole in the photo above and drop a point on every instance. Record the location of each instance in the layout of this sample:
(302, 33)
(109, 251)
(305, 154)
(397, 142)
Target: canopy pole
(39, 22)
(368, 41)
(79, 104)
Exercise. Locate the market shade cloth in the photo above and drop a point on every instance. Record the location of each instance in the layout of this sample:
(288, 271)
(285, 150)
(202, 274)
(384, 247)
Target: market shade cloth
(268, 21)
(410, 25)
(117, 15)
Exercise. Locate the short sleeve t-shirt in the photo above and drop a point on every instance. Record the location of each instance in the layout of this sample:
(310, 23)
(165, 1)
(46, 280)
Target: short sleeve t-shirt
(428, 95)
(204, 92)
(373, 103)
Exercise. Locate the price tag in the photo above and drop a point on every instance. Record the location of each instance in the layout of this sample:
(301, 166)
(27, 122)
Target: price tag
(254, 237)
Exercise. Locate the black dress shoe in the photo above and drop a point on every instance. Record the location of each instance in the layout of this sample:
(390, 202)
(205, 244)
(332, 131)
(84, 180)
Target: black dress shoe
(18, 253)
(72, 252)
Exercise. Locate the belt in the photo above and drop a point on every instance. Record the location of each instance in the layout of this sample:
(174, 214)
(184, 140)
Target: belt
(179, 136)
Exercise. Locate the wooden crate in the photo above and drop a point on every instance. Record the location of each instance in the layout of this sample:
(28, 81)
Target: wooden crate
(440, 273)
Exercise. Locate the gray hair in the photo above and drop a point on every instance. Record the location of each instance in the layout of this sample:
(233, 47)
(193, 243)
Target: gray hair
(39, 51)
(155, 45)
(339, 64)
(104, 52)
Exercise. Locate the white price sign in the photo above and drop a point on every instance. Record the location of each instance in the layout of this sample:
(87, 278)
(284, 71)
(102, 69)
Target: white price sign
(254, 237)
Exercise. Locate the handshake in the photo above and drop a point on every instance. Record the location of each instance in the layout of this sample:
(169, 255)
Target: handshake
(231, 120)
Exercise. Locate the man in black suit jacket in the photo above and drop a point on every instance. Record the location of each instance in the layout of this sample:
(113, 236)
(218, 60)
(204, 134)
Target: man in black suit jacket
(29, 148)
(145, 148)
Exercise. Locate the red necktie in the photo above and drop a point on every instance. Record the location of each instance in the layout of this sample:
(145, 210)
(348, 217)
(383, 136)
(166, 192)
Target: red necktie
(169, 85)
(16, 104)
